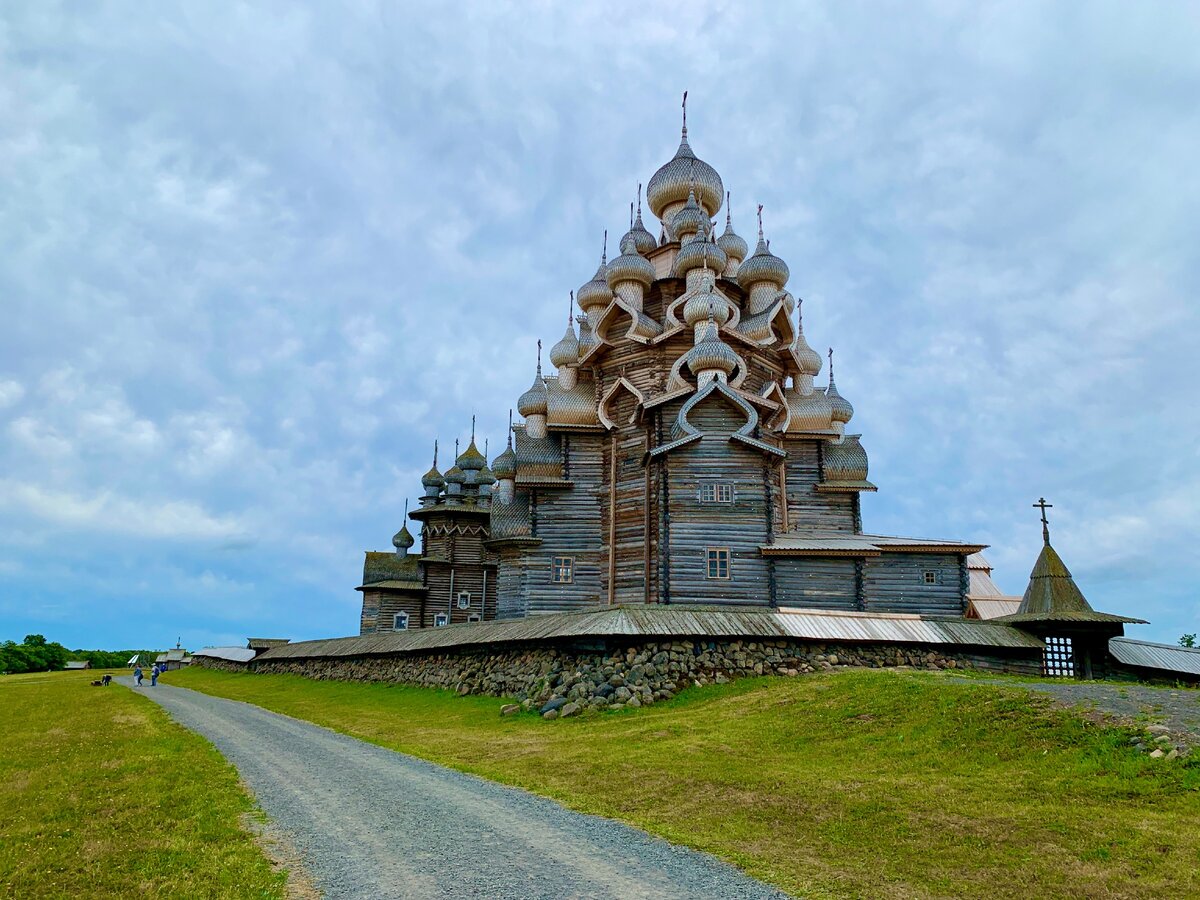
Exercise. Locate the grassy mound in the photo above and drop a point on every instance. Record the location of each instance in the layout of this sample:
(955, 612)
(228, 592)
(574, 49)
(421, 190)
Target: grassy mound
(850, 784)
(101, 795)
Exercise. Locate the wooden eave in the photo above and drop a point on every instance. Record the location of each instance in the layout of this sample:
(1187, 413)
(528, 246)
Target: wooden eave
(860, 553)
(516, 540)
(393, 585)
(425, 512)
(851, 487)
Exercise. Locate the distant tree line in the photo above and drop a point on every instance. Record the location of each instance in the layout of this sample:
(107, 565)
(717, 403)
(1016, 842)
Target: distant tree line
(36, 654)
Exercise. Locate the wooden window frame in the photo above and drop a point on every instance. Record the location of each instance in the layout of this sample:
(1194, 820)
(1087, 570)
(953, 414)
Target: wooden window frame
(560, 565)
(713, 555)
(474, 617)
(395, 621)
(444, 617)
(458, 600)
(711, 492)
(928, 576)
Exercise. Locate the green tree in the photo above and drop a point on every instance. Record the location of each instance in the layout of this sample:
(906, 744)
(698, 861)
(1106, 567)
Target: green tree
(35, 640)
(1188, 640)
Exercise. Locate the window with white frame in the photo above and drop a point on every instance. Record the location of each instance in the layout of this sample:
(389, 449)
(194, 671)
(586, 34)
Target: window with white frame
(464, 600)
(564, 570)
(717, 492)
(441, 619)
(474, 617)
(718, 562)
(400, 621)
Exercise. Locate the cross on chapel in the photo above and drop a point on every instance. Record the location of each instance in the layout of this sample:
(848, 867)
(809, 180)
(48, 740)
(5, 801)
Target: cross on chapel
(1043, 505)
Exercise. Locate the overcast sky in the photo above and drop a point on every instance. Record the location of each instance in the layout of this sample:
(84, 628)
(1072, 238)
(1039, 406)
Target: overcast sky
(256, 257)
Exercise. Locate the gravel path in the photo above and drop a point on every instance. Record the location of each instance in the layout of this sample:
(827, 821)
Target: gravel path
(370, 822)
(1178, 710)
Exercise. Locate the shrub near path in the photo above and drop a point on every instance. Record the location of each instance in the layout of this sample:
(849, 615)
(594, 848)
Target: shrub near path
(101, 795)
(851, 784)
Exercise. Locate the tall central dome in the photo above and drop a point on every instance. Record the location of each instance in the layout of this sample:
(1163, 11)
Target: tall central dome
(669, 186)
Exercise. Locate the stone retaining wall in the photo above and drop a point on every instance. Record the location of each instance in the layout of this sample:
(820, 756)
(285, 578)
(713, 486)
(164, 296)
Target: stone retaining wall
(225, 665)
(636, 674)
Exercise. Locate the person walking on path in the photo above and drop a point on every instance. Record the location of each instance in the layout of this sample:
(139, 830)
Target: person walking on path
(154, 676)
(137, 675)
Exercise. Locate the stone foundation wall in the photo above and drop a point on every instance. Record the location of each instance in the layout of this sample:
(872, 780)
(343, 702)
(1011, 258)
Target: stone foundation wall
(225, 665)
(572, 678)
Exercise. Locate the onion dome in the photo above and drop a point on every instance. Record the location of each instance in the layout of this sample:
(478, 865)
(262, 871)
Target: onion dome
(471, 460)
(505, 465)
(642, 239)
(809, 413)
(533, 401)
(566, 351)
(630, 265)
(842, 410)
(763, 265)
(433, 478)
(455, 475)
(671, 183)
(402, 539)
(735, 248)
(484, 476)
(807, 358)
(700, 252)
(711, 354)
(691, 219)
(596, 292)
(845, 460)
(706, 304)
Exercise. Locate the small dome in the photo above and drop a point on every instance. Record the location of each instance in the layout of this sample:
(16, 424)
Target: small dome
(630, 265)
(566, 351)
(485, 477)
(471, 460)
(730, 241)
(702, 304)
(433, 478)
(711, 353)
(671, 183)
(595, 292)
(696, 253)
(533, 401)
(841, 410)
(642, 239)
(402, 539)
(808, 413)
(807, 358)
(690, 220)
(762, 266)
(455, 475)
(505, 465)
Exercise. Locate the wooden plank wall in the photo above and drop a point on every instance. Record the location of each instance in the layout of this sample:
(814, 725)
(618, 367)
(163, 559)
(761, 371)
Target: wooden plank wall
(894, 582)
(512, 598)
(569, 523)
(807, 509)
(816, 582)
(743, 525)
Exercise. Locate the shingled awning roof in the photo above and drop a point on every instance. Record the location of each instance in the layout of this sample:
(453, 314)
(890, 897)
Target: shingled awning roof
(1053, 596)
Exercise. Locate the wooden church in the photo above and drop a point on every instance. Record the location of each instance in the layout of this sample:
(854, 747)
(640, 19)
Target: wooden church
(682, 453)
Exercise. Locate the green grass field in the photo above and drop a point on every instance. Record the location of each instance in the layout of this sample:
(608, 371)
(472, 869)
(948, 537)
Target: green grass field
(101, 795)
(852, 784)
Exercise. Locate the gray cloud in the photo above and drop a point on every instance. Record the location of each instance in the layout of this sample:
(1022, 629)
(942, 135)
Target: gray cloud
(259, 257)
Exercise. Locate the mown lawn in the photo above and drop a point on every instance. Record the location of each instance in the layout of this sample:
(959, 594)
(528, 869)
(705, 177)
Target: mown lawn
(851, 784)
(101, 795)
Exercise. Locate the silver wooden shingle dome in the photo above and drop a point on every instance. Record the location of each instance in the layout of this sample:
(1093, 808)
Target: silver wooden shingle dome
(596, 292)
(699, 252)
(629, 266)
(842, 411)
(642, 239)
(471, 460)
(730, 241)
(403, 539)
(533, 401)
(711, 354)
(705, 304)
(763, 265)
(566, 351)
(691, 219)
(808, 359)
(670, 184)
(433, 478)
